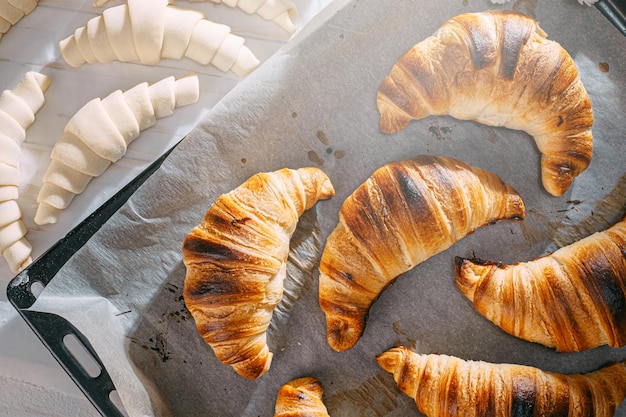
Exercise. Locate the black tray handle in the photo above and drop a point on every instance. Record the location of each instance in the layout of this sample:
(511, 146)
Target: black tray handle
(52, 329)
(615, 11)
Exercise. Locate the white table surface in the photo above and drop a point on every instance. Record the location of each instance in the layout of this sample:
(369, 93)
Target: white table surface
(32, 383)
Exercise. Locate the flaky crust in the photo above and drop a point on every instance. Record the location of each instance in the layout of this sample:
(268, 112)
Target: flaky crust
(573, 299)
(497, 68)
(403, 214)
(301, 397)
(236, 262)
(445, 386)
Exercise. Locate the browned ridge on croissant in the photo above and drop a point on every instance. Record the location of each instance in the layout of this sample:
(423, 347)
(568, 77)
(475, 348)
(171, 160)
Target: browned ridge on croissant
(301, 397)
(497, 68)
(573, 299)
(403, 214)
(236, 262)
(446, 386)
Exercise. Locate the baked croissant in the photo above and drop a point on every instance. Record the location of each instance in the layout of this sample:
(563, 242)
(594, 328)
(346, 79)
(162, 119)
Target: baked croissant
(236, 262)
(447, 386)
(99, 134)
(12, 11)
(146, 31)
(402, 215)
(282, 12)
(573, 299)
(301, 397)
(497, 68)
(17, 112)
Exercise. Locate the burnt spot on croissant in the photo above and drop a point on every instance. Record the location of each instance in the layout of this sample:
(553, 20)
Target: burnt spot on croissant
(410, 191)
(200, 245)
(223, 287)
(516, 34)
(481, 48)
(523, 396)
(560, 122)
(236, 222)
(606, 290)
(426, 82)
(453, 392)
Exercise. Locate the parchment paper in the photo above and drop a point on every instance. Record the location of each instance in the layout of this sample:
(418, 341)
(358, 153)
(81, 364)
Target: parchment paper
(313, 103)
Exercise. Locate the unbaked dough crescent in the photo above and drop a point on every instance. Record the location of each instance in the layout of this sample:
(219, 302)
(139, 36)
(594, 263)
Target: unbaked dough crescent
(11, 11)
(17, 112)
(99, 134)
(147, 31)
(282, 12)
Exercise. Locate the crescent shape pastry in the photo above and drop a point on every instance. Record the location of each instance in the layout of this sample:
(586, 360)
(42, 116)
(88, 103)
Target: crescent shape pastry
(99, 134)
(301, 397)
(282, 12)
(147, 31)
(403, 214)
(236, 262)
(497, 68)
(17, 112)
(446, 386)
(573, 299)
(12, 11)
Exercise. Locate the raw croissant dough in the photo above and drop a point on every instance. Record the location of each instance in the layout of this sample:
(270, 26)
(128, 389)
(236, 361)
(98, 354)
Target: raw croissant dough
(17, 112)
(301, 397)
(497, 68)
(146, 31)
(236, 262)
(403, 214)
(282, 12)
(445, 386)
(573, 299)
(11, 11)
(99, 134)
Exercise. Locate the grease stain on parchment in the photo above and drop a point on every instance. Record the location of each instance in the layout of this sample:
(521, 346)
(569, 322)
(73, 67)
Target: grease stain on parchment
(405, 341)
(601, 217)
(376, 397)
(158, 344)
(603, 66)
(440, 132)
(329, 151)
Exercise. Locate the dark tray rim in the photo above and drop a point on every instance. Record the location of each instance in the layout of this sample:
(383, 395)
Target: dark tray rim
(52, 329)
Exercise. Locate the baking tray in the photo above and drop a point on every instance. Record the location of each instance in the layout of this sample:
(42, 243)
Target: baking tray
(615, 11)
(52, 329)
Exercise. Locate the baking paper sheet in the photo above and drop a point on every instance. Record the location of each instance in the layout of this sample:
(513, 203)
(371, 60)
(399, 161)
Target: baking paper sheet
(313, 104)
(32, 45)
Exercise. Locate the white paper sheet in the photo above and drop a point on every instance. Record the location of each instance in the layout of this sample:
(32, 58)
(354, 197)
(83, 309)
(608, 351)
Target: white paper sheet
(32, 44)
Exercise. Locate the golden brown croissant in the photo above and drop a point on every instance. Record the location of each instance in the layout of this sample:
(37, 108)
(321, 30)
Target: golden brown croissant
(573, 299)
(301, 397)
(497, 68)
(403, 214)
(447, 386)
(236, 262)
